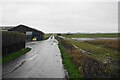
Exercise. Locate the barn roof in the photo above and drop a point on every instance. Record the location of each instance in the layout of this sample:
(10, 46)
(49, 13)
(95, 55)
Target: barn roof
(28, 28)
(6, 27)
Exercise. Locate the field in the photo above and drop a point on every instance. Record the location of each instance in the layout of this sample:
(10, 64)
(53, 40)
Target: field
(100, 55)
(94, 35)
(112, 44)
(46, 36)
(98, 51)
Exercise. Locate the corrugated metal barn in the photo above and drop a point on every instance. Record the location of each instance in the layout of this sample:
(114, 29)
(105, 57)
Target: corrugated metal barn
(31, 33)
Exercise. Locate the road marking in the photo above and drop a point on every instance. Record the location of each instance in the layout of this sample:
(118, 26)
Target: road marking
(32, 57)
(35, 52)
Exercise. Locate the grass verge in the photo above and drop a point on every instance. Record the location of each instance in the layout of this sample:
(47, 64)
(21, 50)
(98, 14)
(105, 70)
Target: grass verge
(72, 69)
(15, 55)
(46, 36)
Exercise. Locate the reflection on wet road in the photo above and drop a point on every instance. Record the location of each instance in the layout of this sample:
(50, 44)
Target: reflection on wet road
(43, 61)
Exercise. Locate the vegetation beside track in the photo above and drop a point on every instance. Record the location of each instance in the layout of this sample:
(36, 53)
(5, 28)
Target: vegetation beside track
(46, 36)
(72, 68)
(15, 55)
(98, 62)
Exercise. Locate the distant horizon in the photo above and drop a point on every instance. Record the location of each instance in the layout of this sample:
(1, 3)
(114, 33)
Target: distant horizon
(85, 33)
(59, 31)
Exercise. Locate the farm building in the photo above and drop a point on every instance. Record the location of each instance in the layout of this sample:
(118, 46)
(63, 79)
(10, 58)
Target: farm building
(6, 28)
(31, 33)
(13, 38)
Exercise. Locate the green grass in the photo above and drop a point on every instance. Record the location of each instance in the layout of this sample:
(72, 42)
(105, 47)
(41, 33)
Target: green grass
(15, 55)
(95, 35)
(99, 52)
(46, 36)
(73, 71)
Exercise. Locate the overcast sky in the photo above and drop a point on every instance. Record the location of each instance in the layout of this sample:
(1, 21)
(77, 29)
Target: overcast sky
(64, 16)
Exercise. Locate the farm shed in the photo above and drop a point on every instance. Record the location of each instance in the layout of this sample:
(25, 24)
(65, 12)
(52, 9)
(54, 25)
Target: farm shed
(31, 33)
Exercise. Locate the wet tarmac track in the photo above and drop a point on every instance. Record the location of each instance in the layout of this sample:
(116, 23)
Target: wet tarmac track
(43, 61)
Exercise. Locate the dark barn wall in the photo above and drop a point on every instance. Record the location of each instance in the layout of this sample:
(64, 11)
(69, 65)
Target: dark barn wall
(28, 37)
(38, 35)
(12, 42)
(35, 33)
